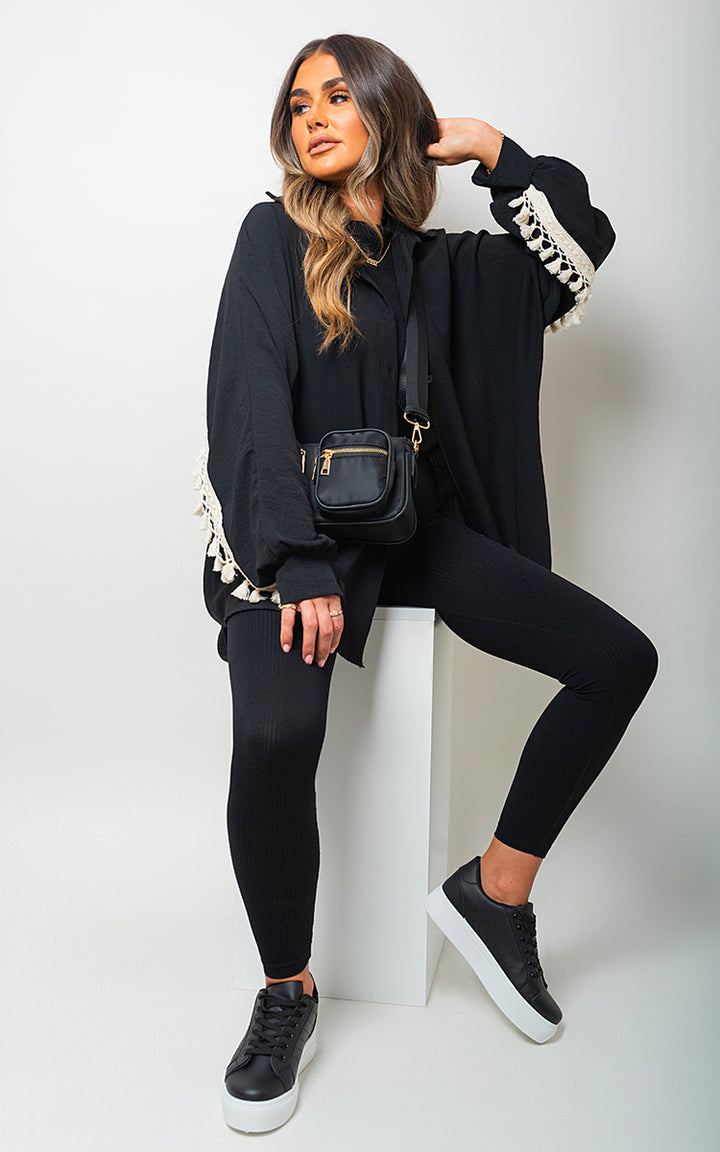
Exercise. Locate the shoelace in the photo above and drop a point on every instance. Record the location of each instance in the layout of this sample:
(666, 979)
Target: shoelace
(526, 925)
(274, 1025)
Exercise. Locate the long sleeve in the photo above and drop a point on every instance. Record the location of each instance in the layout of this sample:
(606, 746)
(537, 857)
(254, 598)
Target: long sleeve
(546, 202)
(254, 498)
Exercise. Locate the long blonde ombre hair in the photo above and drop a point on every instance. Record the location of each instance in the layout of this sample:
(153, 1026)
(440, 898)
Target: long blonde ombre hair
(401, 122)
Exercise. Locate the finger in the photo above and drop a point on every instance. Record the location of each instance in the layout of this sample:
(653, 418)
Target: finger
(337, 622)
(325, 634)
(287, 626)
(309, 627)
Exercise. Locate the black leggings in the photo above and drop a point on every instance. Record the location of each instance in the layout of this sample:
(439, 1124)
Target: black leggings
(496, 600)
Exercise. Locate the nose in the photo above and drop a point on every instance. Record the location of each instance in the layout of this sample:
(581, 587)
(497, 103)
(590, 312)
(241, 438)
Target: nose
(315, 118)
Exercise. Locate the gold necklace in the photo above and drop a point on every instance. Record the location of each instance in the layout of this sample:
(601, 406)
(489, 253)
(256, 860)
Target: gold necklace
(369, 258)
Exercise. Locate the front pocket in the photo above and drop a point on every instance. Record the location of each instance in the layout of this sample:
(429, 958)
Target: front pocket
(328, 453)
(353, 472)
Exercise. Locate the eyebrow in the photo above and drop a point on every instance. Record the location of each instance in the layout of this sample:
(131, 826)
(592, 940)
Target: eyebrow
(326, 85)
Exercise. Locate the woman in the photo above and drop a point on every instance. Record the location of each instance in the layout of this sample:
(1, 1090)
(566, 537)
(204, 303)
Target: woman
(309, 338)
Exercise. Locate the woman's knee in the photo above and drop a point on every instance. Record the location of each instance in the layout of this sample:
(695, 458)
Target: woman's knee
(287, 738)
(631, 661)
(645, 658)
(617, 661)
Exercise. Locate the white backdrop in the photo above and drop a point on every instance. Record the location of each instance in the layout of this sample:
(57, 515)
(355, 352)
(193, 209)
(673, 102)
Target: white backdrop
(135, 142)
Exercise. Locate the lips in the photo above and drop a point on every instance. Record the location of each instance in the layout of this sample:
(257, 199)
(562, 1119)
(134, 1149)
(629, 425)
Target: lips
(320, 144)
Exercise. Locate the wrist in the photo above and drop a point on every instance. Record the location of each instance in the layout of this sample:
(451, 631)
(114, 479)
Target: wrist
(488, 145)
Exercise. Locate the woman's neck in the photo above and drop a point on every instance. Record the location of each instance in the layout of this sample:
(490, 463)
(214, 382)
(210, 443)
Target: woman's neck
(373, 203)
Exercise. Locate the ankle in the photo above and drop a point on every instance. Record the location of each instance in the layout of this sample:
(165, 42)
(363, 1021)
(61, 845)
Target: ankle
(502, 894)
(507, 874)
(502, 888)
(305, 977)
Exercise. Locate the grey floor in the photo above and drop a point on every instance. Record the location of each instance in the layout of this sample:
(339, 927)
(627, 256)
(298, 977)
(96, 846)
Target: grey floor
(119, 1015)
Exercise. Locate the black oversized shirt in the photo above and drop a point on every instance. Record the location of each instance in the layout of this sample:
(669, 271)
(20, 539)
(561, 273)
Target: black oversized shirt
(489, 298)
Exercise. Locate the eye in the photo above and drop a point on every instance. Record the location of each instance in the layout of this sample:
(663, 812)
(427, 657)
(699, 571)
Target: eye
(300, 106)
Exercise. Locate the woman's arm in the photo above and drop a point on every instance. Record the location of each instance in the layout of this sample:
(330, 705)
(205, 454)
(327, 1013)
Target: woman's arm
(254, 498)
(544, 201)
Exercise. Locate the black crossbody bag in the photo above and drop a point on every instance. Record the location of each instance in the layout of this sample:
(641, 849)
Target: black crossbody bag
(362, 480)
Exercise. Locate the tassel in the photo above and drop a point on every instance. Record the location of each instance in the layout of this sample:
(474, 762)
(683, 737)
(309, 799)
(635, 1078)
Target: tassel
(199, 510)
(275, 597)
(214, 547)
(535, 244)
(217, 566)
(565, 275)
(255, 596)
(205, 521)
(227, 574)
(515, 203)
(555, 266)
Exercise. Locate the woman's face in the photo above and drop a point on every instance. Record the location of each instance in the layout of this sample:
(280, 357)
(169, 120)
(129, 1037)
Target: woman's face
(327, 131)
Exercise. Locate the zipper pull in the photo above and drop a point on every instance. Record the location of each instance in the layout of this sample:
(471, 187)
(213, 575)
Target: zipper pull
(302, 458)
(325, 470)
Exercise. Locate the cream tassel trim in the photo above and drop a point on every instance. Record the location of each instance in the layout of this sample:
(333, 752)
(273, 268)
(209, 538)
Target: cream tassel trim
(567, 260)
(211, 520)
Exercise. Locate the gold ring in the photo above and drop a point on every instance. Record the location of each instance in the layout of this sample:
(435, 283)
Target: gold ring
(337, 613)
(289, 606)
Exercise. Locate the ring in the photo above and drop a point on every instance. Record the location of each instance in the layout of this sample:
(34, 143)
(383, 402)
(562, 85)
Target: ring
(289, 606)
(337, 613)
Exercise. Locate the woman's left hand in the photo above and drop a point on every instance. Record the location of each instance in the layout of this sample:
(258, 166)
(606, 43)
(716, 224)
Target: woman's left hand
(462, 138)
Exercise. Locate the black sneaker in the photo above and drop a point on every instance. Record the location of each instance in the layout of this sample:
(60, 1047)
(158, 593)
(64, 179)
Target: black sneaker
(261, 1081)
(499, 943)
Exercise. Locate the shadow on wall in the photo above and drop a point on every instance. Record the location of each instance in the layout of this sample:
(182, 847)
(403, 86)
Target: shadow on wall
(596, 403)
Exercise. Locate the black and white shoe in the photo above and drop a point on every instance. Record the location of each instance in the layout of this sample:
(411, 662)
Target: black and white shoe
(499, 942)
(261, 1081)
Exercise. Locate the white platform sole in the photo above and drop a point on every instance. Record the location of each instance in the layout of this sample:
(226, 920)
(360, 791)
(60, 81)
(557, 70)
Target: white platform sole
(264, 1115)
(487, 969)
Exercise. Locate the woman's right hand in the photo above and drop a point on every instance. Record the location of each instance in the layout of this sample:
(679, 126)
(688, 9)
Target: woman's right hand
(321, 631)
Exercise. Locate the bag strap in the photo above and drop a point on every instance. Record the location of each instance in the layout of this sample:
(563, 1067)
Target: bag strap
(414, 378)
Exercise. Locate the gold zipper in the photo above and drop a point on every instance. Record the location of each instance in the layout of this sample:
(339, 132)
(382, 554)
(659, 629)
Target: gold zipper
(302, 457)
(328, 454)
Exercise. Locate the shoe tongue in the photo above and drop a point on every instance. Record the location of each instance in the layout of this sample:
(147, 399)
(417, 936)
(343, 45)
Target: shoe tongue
(287, 989)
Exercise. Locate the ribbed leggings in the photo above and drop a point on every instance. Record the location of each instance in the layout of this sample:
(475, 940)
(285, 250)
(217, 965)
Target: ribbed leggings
(496, 600)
